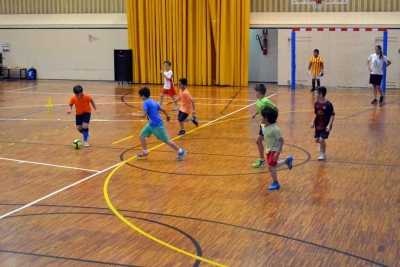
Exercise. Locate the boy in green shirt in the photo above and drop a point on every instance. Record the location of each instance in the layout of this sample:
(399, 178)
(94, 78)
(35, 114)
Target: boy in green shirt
(262, 102)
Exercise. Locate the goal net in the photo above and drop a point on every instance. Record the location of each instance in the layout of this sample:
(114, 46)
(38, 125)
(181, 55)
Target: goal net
(344, 51)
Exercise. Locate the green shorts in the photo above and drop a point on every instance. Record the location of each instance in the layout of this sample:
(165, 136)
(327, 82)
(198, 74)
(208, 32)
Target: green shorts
(158, 131)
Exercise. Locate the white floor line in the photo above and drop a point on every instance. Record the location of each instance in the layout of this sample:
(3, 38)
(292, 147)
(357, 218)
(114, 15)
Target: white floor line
(58, 191)
(100, 172)
(116, 103)
(21, 89)
(46, 164)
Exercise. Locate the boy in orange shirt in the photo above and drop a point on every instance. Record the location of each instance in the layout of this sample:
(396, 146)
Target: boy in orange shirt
(186, 106)
(83, 111)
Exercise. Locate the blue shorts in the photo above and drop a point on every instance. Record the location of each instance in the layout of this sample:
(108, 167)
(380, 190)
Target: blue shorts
(82, 118)
(158, 131)
(321, 134)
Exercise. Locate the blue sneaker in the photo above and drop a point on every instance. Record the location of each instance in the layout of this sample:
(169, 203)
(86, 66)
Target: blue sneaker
(183, 153)
(274, 185)
(289, 162)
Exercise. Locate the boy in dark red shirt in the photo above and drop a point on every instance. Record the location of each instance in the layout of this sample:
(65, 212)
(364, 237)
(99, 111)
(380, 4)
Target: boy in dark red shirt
(324, 116)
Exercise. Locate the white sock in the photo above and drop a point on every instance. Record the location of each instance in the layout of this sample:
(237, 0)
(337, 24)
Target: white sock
(180, 150)
(144, 151)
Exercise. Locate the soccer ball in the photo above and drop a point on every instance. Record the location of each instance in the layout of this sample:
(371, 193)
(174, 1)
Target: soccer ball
(77, 143)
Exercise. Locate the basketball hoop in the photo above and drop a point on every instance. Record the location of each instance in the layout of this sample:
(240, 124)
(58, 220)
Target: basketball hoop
(317, 4)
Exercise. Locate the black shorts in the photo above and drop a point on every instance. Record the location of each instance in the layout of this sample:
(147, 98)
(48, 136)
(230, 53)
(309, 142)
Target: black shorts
(82, 118)
(260, 132)
(375, 79)
(182, 116)
(321, 134)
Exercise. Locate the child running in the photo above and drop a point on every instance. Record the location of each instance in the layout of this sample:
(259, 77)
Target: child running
(274, 142)
(262, 102)
(83, 111)
(323, 119)
(155, 125)
(169, 87)
(186, 106)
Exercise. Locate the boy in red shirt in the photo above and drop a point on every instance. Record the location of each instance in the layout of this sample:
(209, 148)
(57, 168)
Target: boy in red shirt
(82, 106)
(186, 106)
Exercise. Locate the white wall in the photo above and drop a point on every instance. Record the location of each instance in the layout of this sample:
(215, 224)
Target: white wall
(65, 53)
(345, 55)
(263, 68)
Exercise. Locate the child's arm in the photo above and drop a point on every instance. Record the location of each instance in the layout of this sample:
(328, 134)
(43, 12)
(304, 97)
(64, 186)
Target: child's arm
(254, 115)
(140, 115)
(312, 123)
(329, 127)
(69, 109)
(166, 113)
(175, 101)
(193, 108)
(278, 152)
(165, 75)
(94, 106)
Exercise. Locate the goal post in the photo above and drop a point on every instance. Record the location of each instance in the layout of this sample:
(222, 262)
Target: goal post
(298, 55)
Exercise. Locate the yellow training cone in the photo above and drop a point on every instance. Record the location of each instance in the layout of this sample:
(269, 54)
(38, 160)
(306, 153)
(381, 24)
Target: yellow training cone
(49, 104)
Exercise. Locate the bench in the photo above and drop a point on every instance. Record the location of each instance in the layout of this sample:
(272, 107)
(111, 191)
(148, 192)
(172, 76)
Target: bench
(21, 71)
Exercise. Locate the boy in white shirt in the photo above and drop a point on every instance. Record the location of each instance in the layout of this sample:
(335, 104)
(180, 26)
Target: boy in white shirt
(169, 88)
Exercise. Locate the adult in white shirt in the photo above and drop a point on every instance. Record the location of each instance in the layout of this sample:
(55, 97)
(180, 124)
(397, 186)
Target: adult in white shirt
(169, 87)
(376, 68)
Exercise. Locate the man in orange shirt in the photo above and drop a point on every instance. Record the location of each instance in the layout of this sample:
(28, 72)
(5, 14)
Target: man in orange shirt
(186, 106)
(82, 106)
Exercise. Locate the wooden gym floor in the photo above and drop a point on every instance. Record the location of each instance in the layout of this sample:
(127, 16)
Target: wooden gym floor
(100, 206)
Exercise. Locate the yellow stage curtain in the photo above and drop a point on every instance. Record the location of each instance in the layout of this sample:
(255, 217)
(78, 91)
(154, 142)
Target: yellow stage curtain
(206, 40)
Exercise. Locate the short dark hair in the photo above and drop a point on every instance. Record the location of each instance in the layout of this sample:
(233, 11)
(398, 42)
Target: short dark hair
(144, 91)
(321, 90)
(316, 50)
(261, 88)
(78, 89)
(168, 62)
(270, 114)
(183, 81)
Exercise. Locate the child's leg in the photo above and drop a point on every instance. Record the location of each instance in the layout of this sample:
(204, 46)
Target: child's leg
(313, 84)
(79, 128)
(146, 132)
(143, 142)
(173, 146)
(272, 169)
(375, 91)
(260, 146)
(161, 99)
(85, 131)
(318, 82)
(323, 144)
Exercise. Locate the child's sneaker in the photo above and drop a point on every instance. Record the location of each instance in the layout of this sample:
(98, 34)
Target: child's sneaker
(259, 163)
(381, 99)
(274, 186)
(175, 108)
(374, 101)
(289, 162)
(181, 132)
(322, 156)
(86, 144)
(183, 153)
(195, 121)
(142, 155)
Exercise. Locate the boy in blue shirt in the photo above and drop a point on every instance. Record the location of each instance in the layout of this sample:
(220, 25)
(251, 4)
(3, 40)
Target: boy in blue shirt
(155, 125)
